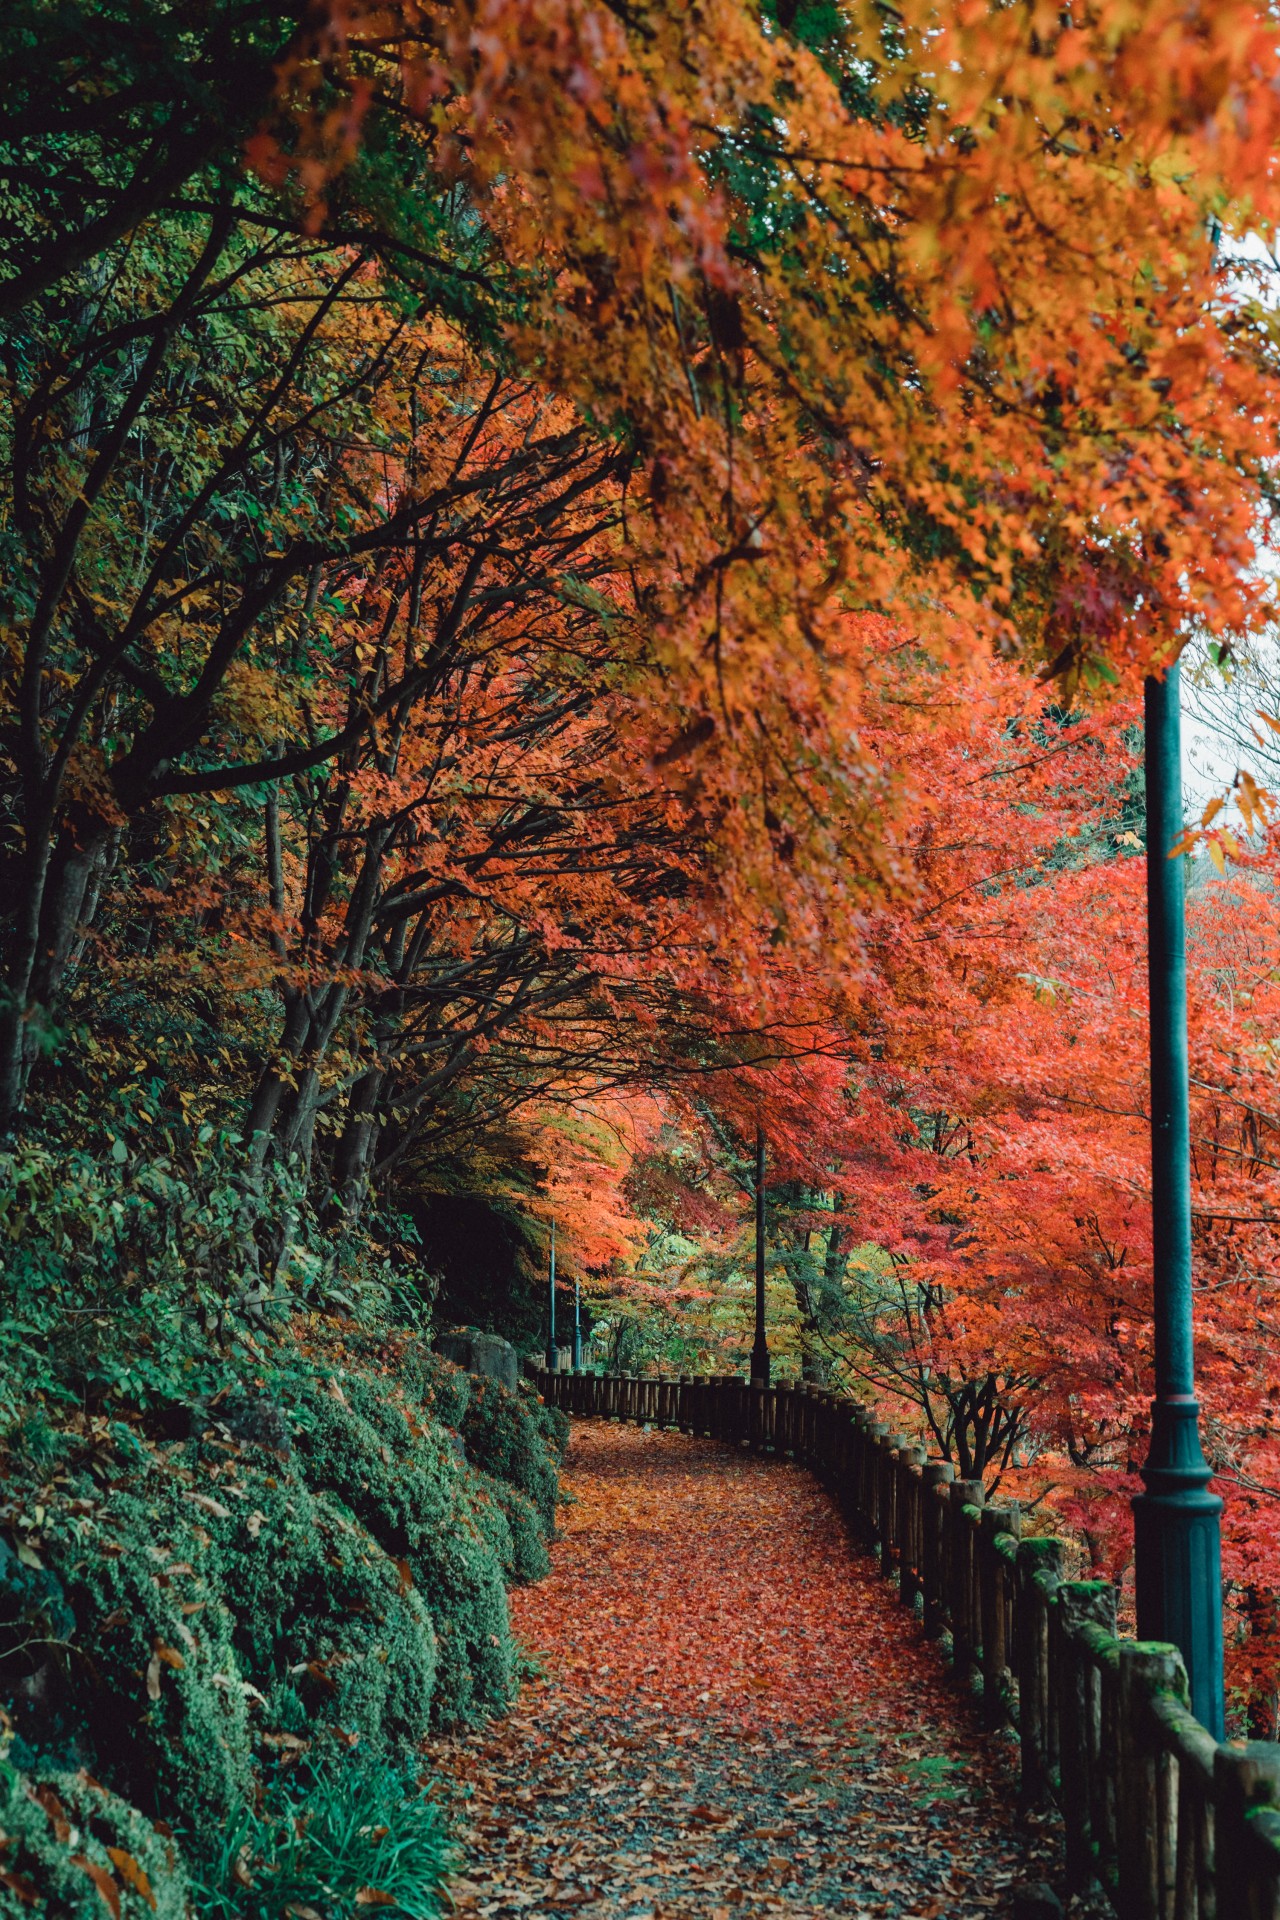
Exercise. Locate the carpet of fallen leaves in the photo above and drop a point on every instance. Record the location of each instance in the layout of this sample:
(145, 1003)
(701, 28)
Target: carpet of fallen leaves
(734, 1717)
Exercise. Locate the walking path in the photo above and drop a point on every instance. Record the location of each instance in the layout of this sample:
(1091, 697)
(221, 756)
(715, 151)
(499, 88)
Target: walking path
(733, 1718)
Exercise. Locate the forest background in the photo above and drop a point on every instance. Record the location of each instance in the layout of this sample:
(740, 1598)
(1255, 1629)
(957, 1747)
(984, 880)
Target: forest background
(576, 582)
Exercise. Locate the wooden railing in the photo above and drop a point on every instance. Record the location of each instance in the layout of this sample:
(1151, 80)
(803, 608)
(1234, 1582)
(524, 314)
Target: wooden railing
(1174, 1825)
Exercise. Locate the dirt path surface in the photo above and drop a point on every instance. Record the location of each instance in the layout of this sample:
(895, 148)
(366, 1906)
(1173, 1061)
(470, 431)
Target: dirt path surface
(734, 1718)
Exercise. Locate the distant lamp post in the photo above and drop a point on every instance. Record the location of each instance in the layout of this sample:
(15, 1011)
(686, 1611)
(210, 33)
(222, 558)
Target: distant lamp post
(552, 1355)
(760, 1349)
(577, 1325)
(1177, 1557)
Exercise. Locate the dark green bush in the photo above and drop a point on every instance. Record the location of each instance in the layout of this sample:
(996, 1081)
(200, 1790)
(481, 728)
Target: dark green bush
(402, 1479)
(323, 1618)
(551, 1426)
(151, 1677)
(442, 1390)
(296, 1565)
(73, 1851)
(325, 1839)
(524, 1553)
(36, 1627)
(501, 1433)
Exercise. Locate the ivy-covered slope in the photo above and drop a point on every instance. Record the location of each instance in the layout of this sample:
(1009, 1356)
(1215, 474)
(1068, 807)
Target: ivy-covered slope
(214, 1614)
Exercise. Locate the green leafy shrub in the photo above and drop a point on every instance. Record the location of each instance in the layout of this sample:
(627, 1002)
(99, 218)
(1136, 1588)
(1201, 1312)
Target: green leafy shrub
(324, 1618)
(551, 1426)
(402, 1479)
(237, 1556)
(72, 1850)
(113, 1257)
(36, 1626)
(326, 1840)
(441, 1389)
(524, 1553)
(151, 1676)
(502, 1437)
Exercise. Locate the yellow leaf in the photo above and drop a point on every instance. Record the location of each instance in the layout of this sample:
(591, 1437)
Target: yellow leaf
(102, 1880)
(126, 1865)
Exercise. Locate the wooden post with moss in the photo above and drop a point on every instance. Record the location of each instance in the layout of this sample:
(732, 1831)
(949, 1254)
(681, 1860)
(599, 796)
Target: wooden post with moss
(1039, 1565)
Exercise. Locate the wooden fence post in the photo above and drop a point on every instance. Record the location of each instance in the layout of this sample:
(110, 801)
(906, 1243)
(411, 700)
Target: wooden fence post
(1145, 1841)
(1039, 1564)
(962, 1600)
(785, 1419)
(755, 1418)
(1245, 1778)
(822, 1462)
(845, 1428)
(870, 1503)
(887, 1474)
(935, 1479)
(994, 1572)
(910, 1467)
(1081, 1603)
(808, 1405)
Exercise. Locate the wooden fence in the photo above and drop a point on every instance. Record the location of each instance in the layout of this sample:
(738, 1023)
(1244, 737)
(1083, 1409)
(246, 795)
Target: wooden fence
(1174, 1825)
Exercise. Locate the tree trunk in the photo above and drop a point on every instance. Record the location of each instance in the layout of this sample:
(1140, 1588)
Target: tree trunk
(61, 887)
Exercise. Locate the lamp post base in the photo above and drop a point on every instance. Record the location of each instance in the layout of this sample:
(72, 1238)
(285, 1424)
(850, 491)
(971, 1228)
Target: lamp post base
(759, 1364)
(1177, 1555)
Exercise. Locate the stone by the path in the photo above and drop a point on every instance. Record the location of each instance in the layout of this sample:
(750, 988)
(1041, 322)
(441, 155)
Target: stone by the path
(487, 1354)
(735, 1718)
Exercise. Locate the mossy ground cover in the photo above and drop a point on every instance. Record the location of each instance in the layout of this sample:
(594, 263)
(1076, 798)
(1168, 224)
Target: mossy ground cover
(262, 1612)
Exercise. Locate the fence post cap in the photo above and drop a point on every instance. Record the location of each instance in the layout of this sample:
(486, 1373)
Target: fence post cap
(1081, 1600)
(1041, 1554)
(1153, 1665)
(939, 1473)
(1247, 1773)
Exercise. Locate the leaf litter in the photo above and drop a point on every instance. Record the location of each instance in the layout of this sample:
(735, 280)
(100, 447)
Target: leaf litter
(732, 1717)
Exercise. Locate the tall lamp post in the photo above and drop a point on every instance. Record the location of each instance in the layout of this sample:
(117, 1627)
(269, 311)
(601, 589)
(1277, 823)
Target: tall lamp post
(577, 1325)
(1177, 1559)
(760, 1349)
(552, 1356)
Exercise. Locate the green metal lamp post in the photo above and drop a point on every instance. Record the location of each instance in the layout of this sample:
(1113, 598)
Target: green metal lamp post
(1177, 1558)
(552, 1356)
(760, 1349)
(577, 1325)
